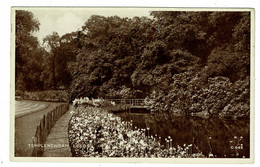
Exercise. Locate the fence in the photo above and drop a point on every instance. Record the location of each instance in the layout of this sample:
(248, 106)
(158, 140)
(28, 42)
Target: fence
(132, 102)
(44, 128)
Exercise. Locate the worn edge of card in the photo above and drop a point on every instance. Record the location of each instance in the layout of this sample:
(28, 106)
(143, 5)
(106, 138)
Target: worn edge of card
(136, 160)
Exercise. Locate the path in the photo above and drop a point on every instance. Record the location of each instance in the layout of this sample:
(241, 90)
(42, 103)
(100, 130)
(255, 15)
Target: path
(25, 128)
(57, 143)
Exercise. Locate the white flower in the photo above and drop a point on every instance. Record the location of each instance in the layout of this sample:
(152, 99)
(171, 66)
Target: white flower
(107, 147)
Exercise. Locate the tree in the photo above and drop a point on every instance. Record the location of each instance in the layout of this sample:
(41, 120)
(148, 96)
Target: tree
(53, 42)
(184, 55)
(230, 56)
(109, 55)
(68, 50)
(184, 30)
(25, 43)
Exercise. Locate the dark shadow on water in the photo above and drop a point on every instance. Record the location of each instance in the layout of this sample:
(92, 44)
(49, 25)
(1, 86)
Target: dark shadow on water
(222, 137)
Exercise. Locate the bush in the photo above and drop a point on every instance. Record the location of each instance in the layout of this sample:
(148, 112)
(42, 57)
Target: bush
(48, 95)
(191, 94)
(19, 93)
(123, 92)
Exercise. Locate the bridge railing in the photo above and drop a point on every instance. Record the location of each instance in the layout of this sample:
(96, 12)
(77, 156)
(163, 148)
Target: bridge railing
(132, 102)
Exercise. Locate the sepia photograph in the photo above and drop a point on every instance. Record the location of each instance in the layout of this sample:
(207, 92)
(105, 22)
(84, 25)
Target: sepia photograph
(132, 83)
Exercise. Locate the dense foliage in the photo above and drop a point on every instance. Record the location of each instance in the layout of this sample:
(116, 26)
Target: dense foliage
(47, 95)
(185, 62)
(41, 67)
(26, 47)
(191, 95)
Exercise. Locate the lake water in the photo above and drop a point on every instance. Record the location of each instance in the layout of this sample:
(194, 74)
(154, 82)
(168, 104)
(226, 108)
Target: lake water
(222, 137)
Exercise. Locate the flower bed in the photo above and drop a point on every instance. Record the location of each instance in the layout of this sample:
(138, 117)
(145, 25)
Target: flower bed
(93, 132)
(91, 102)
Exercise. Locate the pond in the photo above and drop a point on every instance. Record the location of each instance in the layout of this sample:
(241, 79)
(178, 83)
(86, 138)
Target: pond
(224, 138)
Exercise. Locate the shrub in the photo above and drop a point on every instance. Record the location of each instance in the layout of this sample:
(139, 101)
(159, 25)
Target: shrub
(48, 95)
(191, 94)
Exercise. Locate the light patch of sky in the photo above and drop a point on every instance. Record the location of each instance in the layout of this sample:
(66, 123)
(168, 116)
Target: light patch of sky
(66, 20)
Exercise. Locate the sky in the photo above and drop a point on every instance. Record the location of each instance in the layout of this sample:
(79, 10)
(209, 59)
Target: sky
(66, 20)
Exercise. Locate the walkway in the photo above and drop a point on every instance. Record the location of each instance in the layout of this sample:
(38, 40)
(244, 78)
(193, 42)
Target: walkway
(25, 127)
(57, 143)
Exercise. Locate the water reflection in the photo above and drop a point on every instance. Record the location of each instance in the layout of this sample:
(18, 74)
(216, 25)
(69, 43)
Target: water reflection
(220, 137)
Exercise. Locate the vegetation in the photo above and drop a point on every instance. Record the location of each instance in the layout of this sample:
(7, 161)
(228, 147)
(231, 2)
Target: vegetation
(47, 95)
(94, 132)
(109, 106)
(49, 73)
(191, 95)
(185, 62)
(26, 50)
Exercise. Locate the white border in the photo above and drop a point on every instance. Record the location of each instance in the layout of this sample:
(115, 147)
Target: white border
(5, 65)
(134, 160)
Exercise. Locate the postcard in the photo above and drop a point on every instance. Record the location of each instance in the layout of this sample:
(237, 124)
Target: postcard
(132, 85)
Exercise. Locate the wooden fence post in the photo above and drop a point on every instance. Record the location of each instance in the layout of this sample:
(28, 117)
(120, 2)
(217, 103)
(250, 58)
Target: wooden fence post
(43, 128)
(52, 118)
(58, 112)
(41, 131)
(49, 120)
(42, 136)
(37, 141)
(54, 115)
(63, 108)
(47, 123)
(53, 112)
(43, 121)
(34, 142)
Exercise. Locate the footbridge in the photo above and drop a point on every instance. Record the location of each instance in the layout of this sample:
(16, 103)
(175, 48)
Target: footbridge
(134, 103)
